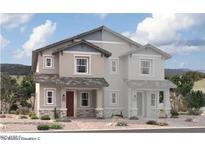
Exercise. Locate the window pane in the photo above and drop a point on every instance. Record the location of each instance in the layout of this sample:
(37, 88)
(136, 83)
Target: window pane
(82, 69)
(84, 99)
(113, 66)
(161, 97)
(49, 93)
(81, 65)
(48, 61)
(84, 102)
(114, 97)
(49, 99)
(153, 99)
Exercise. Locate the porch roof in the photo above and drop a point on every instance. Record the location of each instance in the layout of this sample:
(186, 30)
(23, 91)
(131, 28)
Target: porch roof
(83, 82)
(151, 84)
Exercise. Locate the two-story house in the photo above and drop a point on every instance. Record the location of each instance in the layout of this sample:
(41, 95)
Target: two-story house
(100, 73)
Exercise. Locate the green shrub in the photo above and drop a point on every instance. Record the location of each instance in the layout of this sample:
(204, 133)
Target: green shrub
(45, 117)
(56, 116)
(152, 122)
(194, 111)
(134, 118)
(195, 99)
(34, 117)
(174, 112)
(12, 112)
(43, 127)
(56, 126)
(23, 111)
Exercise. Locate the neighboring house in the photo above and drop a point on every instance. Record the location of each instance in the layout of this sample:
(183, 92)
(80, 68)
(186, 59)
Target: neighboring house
(100, 73)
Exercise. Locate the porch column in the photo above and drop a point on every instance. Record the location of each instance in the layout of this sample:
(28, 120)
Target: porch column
(99, 103)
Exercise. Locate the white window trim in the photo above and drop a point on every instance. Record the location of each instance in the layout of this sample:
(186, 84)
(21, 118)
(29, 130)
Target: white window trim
(117, 97)
(89, 99)
(151, 66)
(53, 90)
(89, 64)
(44, 62)
(117, 65)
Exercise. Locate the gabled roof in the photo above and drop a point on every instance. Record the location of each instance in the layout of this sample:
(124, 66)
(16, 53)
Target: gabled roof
(34, 53)
(101, 50)
(86, 33)
(166, 55)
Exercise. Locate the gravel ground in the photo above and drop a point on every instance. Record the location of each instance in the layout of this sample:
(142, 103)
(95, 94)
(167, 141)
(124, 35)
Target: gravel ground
(12, 123)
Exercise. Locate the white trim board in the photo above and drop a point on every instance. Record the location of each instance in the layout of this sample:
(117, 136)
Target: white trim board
(105, 42)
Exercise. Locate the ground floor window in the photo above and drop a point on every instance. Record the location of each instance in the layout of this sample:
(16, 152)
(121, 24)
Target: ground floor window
(49, 96)
(114, 97)
(153, 99)
(161, 96)
(84, 99)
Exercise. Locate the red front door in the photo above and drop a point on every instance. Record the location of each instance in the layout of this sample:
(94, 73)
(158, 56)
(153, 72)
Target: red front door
(70, 103)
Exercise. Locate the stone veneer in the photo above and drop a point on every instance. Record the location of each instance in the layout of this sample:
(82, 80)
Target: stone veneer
(109, 112)
(86, 113)
(61, 113)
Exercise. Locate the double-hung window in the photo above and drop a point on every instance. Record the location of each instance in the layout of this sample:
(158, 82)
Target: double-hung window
(84, 99)
(153, 99)
(114, 97)
(114, 65)
(49, 96)
(48, 61)
(82, 65)
(146, 66)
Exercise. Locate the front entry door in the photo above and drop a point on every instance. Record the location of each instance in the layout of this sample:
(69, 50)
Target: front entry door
(70, 103)
(140, 103)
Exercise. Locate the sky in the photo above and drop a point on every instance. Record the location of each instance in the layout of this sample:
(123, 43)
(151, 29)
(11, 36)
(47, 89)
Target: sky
(181, 35)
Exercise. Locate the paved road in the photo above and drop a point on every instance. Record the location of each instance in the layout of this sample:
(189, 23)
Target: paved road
(166, 130)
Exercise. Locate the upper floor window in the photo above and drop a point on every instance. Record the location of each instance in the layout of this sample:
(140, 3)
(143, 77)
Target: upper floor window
(146, 66)
(48, 62)
(114, 65)
(82, 65)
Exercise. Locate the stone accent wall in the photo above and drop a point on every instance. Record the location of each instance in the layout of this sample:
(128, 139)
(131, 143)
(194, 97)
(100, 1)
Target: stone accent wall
(61, 113)
(109, 112)
(85, 113)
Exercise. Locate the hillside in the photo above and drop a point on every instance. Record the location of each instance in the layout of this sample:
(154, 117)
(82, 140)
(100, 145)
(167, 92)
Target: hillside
(15, 69)
(199, 85)
(19, 69)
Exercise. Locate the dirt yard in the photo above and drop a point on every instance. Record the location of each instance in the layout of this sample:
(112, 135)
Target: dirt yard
(12, 124)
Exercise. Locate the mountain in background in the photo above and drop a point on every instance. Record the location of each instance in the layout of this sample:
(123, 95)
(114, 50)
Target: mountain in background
(19, 69)
(15, 69)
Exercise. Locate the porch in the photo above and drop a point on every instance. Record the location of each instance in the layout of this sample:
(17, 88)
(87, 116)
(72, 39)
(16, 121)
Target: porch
(149, 98)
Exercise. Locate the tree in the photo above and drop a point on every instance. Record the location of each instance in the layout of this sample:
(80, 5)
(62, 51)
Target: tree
(27, 88)
(184, 84)
(9, 89)
(195, 99)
